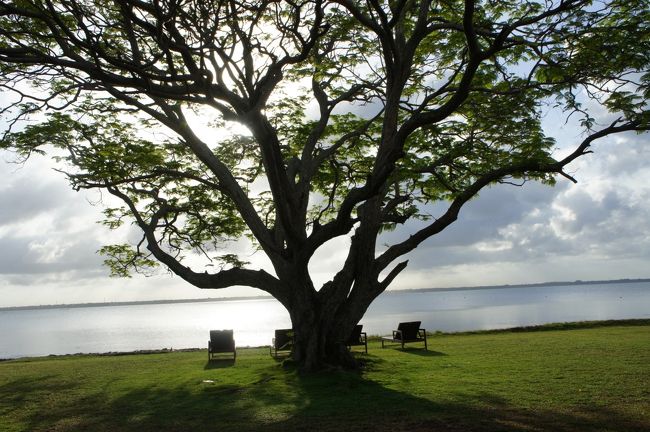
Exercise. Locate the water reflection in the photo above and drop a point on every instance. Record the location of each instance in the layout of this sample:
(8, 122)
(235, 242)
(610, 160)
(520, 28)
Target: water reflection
(186, 325)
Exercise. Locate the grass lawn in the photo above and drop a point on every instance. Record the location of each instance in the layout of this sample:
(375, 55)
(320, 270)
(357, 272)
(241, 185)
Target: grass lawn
(587, 378)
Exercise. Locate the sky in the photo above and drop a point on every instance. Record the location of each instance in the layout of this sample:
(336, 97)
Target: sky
(594, 230)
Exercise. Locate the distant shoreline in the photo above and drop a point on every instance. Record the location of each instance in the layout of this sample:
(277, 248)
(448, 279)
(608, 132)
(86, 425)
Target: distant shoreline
(266, 297)
(531, 285)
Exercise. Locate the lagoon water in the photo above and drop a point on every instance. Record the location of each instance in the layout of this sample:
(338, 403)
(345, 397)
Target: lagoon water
(37, 332)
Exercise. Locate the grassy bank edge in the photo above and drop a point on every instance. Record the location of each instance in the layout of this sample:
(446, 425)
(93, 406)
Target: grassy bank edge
(573, 325)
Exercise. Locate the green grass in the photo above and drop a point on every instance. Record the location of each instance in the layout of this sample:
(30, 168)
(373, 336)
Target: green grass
(581, 379)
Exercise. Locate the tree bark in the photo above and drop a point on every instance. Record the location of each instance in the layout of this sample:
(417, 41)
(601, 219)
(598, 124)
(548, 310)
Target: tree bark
(320, 335)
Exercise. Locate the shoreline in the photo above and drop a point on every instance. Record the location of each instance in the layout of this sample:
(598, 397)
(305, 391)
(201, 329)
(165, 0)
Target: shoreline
(266, 297)
(531, 285)
(556, 326)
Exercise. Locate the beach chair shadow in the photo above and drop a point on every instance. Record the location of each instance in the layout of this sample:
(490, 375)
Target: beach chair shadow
(219, 363)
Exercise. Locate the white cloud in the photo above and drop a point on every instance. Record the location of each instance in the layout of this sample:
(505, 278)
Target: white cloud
(597, 229)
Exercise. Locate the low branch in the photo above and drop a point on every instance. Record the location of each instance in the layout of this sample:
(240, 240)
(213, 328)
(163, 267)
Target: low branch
(223, 279)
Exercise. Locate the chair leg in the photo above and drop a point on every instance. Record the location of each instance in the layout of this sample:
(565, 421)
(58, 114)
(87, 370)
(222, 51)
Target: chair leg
(425, 343)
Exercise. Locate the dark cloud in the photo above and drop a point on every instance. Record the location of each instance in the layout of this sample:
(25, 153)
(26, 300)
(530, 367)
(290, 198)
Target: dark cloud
(28, 197)
(482, 218)
(49, 252)
(511, 225)
(45, 227)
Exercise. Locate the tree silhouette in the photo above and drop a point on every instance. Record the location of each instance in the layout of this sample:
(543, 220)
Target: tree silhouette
(355, 115)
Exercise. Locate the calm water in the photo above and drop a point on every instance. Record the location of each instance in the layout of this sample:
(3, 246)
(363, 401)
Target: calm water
(186, 325)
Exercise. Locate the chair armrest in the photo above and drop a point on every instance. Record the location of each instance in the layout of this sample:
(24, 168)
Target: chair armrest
(286, 346)
(397, 332)
(364, 335)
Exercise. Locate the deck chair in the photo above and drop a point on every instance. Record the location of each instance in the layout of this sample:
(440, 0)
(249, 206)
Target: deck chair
(407, 332)
(357, 337)
(221, 341)
(283, 341)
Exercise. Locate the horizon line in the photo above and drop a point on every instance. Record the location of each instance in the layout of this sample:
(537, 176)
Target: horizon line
(267, 296)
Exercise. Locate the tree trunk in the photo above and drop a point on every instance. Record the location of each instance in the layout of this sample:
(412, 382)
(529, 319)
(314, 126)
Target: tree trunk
(320, 338)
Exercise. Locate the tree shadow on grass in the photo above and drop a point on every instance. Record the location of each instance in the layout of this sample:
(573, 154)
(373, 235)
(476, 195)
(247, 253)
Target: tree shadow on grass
(281, 400)
(27, 400)
(422, 352)
(219, 363)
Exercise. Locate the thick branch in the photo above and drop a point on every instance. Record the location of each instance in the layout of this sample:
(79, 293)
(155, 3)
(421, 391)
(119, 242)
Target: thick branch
(524, 168)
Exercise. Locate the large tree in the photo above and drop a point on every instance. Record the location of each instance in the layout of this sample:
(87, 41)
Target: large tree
(353, 117)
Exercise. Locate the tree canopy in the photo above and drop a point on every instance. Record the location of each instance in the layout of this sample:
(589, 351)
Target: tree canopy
(296, 122)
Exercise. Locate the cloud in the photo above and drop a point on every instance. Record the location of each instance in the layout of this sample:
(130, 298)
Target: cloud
(58, 253)
(45, 227)
(21, 204)
(49, 240)
(597, 229)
